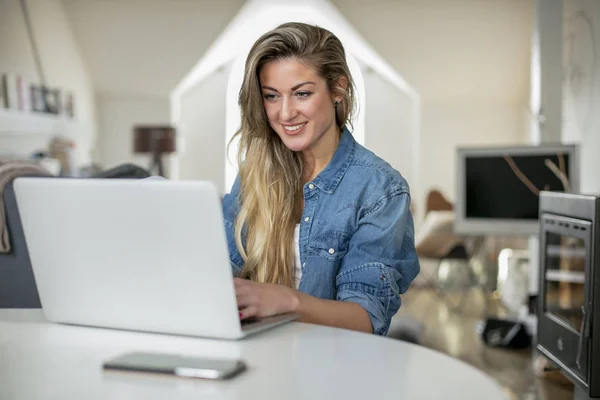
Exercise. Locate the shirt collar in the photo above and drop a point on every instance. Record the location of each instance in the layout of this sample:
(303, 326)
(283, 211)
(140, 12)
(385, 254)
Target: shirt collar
(330, 177)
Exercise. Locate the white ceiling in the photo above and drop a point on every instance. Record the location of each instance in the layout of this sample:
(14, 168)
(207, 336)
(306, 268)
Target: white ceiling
(446, 49)
(144, 47)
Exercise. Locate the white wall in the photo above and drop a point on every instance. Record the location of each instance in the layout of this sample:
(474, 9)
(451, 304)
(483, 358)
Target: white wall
(548, 40)
(581, 86)
(389, 123)
(61, 61)
(469, 61)
(451, 48)
(137, 51)
(116, 117)
(458, 54)
(448, 125)
(203, 124)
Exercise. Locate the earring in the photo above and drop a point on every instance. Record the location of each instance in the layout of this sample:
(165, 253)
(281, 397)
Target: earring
(335, 103)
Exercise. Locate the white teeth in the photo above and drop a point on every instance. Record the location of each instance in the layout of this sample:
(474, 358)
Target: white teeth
(295, 127)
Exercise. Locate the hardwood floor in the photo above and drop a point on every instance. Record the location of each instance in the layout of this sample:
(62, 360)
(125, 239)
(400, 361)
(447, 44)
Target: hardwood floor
(455, 333)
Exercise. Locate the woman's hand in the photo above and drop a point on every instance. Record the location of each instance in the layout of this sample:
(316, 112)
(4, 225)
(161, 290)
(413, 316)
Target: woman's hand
(264, 299)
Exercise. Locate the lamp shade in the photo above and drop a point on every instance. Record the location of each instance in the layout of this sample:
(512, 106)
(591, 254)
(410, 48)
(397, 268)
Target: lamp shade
(154, 139)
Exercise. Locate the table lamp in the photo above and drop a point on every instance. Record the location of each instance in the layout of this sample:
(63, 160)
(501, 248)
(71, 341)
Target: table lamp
(156, 140)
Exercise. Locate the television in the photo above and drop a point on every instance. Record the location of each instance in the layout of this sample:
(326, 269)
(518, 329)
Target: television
(498, 188)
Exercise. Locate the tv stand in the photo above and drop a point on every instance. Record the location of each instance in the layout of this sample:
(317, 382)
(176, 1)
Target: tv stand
(581, 394)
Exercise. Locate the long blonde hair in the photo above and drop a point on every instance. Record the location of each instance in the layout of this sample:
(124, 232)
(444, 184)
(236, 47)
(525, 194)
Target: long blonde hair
(271, 174)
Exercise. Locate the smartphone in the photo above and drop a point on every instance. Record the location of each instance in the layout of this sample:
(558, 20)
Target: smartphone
(189, 367)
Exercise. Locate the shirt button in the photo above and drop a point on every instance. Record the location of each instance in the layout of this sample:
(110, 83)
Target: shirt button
(311, 186)
(306, 219)
(303, 265)
(331, 251)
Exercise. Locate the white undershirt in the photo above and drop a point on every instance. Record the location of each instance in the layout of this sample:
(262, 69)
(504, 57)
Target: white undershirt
(297, 251)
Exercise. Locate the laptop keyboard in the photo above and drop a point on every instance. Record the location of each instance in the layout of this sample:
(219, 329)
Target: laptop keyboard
(251, 320)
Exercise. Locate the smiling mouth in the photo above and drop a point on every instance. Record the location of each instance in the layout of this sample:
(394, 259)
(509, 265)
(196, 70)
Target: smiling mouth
(293, 129)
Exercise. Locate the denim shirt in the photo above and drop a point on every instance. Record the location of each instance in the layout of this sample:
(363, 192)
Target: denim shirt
(356, 233)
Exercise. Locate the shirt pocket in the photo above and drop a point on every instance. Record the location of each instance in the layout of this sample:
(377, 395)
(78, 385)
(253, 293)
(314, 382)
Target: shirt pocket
(331, 245)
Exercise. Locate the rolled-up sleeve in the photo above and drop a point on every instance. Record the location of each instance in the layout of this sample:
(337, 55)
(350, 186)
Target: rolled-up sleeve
(381, 261)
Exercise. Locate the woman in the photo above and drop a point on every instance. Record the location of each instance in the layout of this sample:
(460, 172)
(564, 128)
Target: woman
(316, 224)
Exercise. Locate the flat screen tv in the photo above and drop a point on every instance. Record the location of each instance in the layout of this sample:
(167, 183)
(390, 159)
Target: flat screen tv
(498, 188)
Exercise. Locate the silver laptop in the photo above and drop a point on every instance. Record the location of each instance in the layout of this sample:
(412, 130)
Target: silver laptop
(133, 254)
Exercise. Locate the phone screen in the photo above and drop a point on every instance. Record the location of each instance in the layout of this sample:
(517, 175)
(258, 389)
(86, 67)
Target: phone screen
(193, 367)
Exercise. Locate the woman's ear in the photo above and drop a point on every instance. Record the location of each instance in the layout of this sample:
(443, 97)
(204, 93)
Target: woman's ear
(339, 88)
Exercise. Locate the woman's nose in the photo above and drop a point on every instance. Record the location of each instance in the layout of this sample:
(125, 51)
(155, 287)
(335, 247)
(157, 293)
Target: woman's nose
(288, 111)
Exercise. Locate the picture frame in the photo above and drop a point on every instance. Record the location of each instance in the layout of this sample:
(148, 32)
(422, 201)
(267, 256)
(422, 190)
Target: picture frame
(51, 100)
(45, 99)
(10, 91)
(68, 108)
(3, 91)
(37, 98)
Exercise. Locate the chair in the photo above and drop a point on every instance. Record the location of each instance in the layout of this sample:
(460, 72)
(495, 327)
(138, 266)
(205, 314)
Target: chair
(17, 282)
(124, 171)
(437, 240)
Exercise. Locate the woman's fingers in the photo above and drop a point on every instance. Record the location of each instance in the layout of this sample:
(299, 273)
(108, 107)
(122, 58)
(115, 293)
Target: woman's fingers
(242, 291)
(248, 312)
(245, 301)
(239, 282)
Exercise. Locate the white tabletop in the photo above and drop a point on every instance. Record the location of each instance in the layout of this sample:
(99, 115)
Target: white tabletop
(40, 360)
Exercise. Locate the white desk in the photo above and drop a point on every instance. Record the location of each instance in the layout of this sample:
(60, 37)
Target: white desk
(39, 360)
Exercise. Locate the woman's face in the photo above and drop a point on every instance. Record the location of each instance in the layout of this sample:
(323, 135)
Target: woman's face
(299, 105)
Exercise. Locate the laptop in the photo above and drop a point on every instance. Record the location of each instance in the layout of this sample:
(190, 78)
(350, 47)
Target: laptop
(143, 255)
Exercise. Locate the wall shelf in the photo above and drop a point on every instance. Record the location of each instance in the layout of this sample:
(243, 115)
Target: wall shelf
(18, 123)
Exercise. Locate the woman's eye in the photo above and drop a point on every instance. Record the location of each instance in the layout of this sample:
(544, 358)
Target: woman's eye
(270, 97)
(303, 95)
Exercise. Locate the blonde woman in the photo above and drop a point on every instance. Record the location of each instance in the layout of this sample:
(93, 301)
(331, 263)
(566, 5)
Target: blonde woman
(316, 224)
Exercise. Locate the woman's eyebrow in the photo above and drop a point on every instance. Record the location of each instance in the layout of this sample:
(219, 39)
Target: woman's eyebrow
(298, 86)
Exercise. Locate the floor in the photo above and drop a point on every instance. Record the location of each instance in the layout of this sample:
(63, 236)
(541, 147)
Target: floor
(455, 333)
